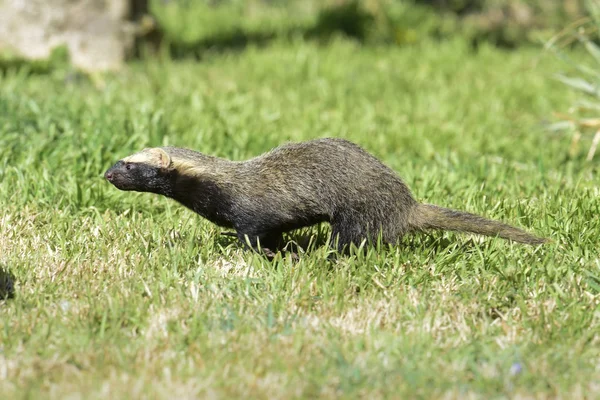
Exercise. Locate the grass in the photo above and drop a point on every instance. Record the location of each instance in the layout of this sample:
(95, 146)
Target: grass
(132, 296)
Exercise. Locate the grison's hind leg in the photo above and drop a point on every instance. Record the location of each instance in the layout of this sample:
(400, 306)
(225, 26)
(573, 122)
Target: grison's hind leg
(345, 231)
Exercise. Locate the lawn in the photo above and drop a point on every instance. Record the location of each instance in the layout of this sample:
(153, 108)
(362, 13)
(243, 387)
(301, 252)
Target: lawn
(126, 295)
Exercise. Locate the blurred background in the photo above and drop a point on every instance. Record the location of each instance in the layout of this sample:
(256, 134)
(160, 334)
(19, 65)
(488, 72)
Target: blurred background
(100, 34)
(489, 106)
(93, 36)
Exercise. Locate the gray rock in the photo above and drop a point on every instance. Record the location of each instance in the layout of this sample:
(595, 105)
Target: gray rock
(98, 33)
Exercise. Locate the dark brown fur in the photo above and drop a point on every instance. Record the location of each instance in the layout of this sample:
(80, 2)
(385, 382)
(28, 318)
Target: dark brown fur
(297, 185)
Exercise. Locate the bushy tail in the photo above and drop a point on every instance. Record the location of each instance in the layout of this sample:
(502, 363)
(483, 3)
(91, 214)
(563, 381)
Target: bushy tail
(428, 216)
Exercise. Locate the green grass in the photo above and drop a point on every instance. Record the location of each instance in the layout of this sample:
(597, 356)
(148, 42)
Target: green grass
(132, 296)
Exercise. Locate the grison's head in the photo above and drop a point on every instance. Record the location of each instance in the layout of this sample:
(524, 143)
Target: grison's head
(146, 171)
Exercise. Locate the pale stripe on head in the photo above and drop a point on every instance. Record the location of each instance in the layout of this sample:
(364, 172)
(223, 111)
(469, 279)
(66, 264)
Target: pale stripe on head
(156, 157)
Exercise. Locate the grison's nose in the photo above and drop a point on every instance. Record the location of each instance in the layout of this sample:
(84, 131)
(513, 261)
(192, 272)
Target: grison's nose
(108, 175)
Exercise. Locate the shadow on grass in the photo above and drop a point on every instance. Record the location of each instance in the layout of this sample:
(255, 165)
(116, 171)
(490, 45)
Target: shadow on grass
(307, 240)
(300, 241)
(232, 41)
(7, 284)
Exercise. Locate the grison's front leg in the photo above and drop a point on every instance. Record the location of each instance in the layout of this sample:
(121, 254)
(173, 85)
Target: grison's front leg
(269, 243)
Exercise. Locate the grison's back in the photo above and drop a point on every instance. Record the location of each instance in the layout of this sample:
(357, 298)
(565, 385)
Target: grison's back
(319, 179)
(327, 165)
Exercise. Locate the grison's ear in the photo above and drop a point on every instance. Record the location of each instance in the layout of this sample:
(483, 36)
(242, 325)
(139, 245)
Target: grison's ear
(160, 157)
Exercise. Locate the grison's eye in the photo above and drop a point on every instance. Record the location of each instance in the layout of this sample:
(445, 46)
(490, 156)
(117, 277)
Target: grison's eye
(127, 167)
